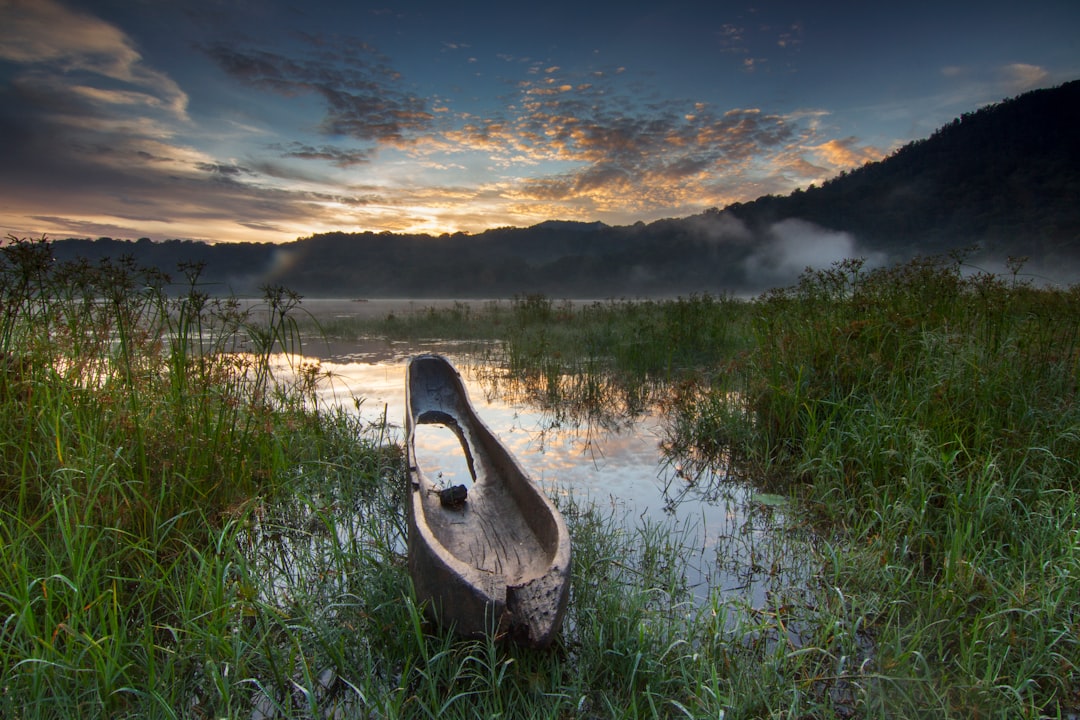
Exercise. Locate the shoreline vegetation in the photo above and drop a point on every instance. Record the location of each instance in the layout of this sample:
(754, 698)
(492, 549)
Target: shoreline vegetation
(186, 532)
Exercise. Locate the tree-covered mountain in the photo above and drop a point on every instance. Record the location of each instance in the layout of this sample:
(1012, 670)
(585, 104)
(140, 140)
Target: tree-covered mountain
(1005, 177)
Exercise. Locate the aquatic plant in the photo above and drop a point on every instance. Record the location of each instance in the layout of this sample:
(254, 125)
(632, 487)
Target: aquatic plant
(139, 431)
(927, 417)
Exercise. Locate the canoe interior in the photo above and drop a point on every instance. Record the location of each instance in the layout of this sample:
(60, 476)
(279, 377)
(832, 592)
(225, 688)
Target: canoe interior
(477, 531)
(503, 527)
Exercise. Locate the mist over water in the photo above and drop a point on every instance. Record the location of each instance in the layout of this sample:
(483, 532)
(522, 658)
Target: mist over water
(791, 246)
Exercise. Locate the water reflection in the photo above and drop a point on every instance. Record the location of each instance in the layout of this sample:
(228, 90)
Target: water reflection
(440, 452)
(310, 553)
(610, 454)
(587, 398)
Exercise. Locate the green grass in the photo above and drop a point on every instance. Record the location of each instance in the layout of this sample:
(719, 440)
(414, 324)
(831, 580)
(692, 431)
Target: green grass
(185, 533)
(646, 338)
(599, 362)
(462, 320)
(140, 430)
(929, 421)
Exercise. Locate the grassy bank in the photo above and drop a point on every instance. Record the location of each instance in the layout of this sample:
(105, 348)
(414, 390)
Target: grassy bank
(142, 432)
(929, 420)
(185, 534)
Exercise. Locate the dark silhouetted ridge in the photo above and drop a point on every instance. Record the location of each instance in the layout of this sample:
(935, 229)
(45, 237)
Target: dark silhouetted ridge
(1005, 177)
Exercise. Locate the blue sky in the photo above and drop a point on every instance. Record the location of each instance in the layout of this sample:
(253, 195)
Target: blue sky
(267, 120)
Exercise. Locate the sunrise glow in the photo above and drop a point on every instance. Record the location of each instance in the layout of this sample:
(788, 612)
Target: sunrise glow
(205, 121)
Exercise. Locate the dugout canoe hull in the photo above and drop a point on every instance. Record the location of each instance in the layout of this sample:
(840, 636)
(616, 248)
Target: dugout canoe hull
(498, 560)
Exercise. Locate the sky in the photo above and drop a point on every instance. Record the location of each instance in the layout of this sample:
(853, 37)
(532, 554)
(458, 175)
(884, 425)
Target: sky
(269, 120)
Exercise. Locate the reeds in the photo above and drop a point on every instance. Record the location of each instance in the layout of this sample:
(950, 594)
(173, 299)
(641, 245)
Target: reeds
(140, 432)
(928, 418)
(184, 533)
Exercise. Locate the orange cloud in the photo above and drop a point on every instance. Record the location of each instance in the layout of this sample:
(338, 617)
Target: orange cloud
(844, 154)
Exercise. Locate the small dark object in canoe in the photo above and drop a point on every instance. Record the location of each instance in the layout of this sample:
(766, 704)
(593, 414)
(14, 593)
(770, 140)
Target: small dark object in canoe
(498, 560)
(453, 496)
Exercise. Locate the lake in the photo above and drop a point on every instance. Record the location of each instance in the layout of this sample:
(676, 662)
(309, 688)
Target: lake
(744, 544)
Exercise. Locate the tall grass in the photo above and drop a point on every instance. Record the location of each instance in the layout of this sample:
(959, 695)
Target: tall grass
(185, 534)
(138, 431)
(646, 338)
(600, 362)
(929, 419)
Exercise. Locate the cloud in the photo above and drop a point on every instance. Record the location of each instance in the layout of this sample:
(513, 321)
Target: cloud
(82, 112)
(595, 150)
(1019, 77)
(360, 92)
(844, 153)
(88, 125)
(732, 38)
(73, 49)
(626, 154)
(339, 157)
(83, 228)
(222, 169)
(793, 245)
(48, 130)
(979, 85)
(791, 37)
(92, 136)
(73, 166)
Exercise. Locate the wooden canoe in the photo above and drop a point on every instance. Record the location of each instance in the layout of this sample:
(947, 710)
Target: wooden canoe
(492, 558)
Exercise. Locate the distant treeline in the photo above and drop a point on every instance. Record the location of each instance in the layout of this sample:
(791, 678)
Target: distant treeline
(1005, 178)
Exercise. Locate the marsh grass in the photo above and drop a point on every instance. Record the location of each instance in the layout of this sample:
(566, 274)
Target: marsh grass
(925, 419)
(186, 534)
(141, 424)
(463, 320)
(928, 419)
(596, 363)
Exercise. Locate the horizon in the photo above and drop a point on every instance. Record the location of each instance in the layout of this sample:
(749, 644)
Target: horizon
(220, 122)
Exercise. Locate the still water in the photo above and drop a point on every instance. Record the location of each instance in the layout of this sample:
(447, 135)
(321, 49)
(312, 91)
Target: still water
(744, 546)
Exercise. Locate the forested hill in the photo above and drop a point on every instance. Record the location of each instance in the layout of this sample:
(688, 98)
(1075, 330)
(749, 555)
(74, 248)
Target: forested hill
(1005, 177)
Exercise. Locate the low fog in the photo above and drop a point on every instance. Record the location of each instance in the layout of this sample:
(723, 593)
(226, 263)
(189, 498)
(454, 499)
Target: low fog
(791, 246)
